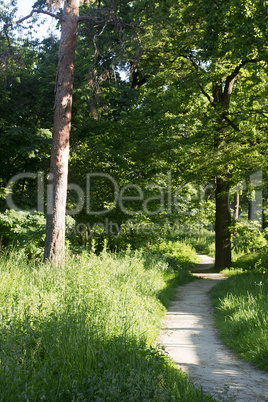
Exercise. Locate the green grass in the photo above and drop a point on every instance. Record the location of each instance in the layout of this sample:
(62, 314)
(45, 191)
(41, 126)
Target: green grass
(257, 260)
(203, 241)
(241, 304)
(180, 255)
(87, 332)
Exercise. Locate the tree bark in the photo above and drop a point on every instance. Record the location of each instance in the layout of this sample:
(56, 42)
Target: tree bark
(250, 210)
(136, 81)
(57, 192)
(237, 205)
(236, 211)
(223, 216)
(222, 226)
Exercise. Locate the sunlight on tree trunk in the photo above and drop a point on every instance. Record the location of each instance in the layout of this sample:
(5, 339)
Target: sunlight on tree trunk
(57, 192)
(236, 211)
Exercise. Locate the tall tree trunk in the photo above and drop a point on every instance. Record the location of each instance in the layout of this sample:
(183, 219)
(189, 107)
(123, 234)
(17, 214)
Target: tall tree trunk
(250, 210)
(223, 259)
(236, 211)
(237, 205)
(250, 197)
(57, 193)
(222, 226)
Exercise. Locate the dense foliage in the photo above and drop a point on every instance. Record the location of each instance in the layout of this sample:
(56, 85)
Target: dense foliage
(145, 105)
(168, 102)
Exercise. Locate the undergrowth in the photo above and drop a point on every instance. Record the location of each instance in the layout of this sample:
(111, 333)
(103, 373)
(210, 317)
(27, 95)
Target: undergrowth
(255, 260)
(203, 241)
(180, 255)
(241, 304)
(87, 332)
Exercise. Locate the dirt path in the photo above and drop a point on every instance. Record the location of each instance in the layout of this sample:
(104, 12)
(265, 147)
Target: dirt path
(191, 340)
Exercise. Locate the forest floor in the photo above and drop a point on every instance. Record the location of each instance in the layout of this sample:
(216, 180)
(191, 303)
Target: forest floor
(191, 340)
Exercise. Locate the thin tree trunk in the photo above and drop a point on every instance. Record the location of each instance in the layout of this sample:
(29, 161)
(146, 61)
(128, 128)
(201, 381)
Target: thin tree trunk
(86, 238)
(237, 204)
(250, 210)
(236, 211)
(222, 226)
(57, 193)
(250, 196)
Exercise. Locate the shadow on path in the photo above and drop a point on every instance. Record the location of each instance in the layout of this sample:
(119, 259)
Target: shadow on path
(191, 340)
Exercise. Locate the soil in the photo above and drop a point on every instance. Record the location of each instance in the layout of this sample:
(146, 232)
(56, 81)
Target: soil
(191, 340)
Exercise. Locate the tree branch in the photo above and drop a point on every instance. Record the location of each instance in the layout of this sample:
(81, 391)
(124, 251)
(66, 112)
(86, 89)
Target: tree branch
(96, 14)
(206, 94)
(230, 122)
(34, 10)
(229, 83)
(259, 112)
(196, 66)
(105, 16)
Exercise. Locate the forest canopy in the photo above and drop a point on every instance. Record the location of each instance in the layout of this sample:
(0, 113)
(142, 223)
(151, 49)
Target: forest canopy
(168, 120)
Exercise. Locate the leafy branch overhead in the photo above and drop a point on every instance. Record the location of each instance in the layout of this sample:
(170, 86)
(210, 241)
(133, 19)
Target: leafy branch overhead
(191, 99)
(97, 16)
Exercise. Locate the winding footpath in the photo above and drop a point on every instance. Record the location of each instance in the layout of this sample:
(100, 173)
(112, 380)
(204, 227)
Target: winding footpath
(190, 339)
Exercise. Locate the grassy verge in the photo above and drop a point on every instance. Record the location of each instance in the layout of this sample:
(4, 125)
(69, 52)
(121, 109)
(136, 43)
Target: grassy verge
(241, 304)
(87, 332)
(256, 260)
(203, 241)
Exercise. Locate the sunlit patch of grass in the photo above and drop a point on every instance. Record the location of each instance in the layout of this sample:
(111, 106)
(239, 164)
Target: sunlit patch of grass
(242, 315)
(203, 241)
(254, 261)
(86, 332)
(180, 255)
(232, 271)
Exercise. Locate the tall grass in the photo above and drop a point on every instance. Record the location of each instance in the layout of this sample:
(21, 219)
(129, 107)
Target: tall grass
(242, 315)
(203, 241)
(86, 332)
(255, 260)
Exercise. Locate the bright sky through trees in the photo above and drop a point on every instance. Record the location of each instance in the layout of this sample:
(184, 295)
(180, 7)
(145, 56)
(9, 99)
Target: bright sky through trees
(44, 30)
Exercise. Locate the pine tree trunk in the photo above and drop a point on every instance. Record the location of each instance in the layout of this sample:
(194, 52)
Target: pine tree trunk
(222, 226)
(57, 193)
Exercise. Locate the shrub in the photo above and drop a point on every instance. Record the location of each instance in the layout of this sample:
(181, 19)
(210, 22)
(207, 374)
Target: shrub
(25, 231)
(248, 238)
(254, 261)
(179, 255)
